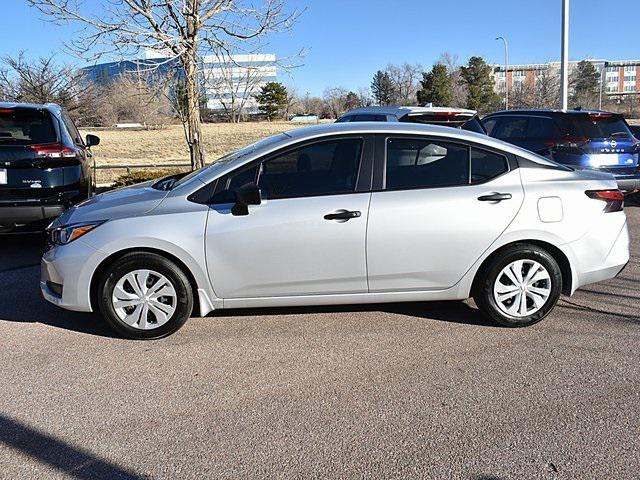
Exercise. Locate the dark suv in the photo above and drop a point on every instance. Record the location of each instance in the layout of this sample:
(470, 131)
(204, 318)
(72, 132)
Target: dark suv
(580, 139)
(44, 165)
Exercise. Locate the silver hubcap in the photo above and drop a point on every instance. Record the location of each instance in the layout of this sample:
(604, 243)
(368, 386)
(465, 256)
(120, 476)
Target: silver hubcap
(522, 288)
(144, 299)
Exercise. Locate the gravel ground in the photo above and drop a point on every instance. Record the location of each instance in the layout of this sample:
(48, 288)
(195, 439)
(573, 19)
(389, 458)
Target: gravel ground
(387, 391)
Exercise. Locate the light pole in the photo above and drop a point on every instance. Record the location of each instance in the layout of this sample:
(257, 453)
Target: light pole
(564, 66)
(506, 69)
(602, 76)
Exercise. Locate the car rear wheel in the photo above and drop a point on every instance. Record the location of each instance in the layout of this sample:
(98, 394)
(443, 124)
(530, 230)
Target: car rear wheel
(145, 296)
(520, 286)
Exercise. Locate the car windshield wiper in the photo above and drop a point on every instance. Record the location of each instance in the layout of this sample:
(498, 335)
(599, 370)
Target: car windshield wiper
(619, 134)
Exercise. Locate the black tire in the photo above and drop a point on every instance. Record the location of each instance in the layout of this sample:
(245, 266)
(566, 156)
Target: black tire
(150, 261)
(484, 286)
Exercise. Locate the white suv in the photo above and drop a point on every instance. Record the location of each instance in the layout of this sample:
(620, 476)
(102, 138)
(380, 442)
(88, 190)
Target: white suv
(444, 116)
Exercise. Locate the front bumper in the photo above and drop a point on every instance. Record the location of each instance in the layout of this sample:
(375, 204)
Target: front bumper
(71, 267)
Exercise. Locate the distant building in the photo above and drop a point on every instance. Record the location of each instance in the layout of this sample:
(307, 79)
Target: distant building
(228, 81)
(621, 77)
(233, 81)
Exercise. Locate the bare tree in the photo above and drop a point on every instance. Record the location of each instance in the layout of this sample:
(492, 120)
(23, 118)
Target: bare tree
(405, 79)
(294, 104)
(43, 80)
(522, 95)
(311, 105)
(335, 99)
(547, 88)
(364, 96)
(181, 30)
(451, 61)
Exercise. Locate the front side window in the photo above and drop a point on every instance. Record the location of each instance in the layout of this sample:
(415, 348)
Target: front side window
(323, 168)
(418, 163)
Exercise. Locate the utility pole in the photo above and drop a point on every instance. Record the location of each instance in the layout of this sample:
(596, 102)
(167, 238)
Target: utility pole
(506, 70)
(602, 74)
(564, 64)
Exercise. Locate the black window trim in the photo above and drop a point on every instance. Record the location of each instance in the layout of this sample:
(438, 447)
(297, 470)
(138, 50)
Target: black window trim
(380, 166)
(363, 179)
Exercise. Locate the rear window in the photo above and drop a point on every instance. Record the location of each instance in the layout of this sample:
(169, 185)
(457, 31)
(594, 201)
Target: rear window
(26, 126)
(589, 126)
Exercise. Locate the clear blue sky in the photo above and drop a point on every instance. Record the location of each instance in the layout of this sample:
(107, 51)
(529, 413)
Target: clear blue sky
(348, 40)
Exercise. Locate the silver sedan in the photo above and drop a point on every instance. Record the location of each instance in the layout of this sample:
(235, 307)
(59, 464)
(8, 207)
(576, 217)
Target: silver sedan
(341, 214)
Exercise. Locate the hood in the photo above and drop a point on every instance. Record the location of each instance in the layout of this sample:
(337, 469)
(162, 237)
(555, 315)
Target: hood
(126, 202)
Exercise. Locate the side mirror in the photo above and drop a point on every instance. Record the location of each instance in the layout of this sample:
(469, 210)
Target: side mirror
(92, 140)
(247, 194)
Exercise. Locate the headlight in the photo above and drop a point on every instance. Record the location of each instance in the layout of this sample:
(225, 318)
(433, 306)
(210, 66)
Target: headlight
(68, 233)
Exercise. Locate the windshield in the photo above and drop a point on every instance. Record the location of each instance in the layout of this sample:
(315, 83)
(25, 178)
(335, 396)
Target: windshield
(233, 157)
(592, 126)
(26, 126)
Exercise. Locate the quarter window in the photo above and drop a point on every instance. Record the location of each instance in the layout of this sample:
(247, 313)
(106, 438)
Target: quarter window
(486, 165)
(415, 163)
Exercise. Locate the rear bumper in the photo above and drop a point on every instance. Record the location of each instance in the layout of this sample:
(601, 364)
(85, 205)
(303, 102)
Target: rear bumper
(15, 217)
(628, 183)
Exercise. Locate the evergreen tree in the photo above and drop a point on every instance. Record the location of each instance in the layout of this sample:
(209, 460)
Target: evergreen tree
(436, 87)
(272, 99)
(585, 83)
(382, 88)
(351, 101)
(476, 76)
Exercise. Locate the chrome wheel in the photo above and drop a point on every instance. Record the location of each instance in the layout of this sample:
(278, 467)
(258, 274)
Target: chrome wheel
(522, 288)
(144, 299)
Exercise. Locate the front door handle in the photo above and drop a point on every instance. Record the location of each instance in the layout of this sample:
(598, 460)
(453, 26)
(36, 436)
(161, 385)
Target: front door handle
(342, 215)
(495, 197)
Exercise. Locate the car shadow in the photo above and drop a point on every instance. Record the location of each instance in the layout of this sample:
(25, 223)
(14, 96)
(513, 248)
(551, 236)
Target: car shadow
(451, 312)
(21, 301)
(20, 298)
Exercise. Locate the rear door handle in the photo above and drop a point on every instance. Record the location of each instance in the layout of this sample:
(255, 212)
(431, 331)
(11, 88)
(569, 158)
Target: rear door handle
(495, 197)
(342, 215)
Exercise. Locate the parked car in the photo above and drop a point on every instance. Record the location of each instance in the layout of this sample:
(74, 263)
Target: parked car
(336, 214)
(44, 165)
(581, 139)
(445, 116)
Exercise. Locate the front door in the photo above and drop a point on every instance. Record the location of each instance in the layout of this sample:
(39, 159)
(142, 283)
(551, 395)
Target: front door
(308, 235)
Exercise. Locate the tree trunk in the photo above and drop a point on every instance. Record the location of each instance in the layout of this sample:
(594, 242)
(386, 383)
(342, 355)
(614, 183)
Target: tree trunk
(190, 62)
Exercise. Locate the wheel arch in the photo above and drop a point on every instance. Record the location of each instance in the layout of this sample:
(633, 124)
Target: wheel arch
(558, 255)
(108, 261)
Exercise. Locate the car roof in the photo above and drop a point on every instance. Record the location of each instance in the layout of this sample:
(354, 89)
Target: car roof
(51, 107)
(549, 111)
(401, 111)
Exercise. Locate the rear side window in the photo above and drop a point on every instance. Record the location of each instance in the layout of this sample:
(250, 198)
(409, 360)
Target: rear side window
(510, 128)
(417, 163)
(323, 168)
(344, 119)
(26, 126)
(489, 125)
(73, 131)
(486, 165)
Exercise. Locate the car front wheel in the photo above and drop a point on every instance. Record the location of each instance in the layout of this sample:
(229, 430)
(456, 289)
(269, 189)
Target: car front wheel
(520, 286)
(145, 296)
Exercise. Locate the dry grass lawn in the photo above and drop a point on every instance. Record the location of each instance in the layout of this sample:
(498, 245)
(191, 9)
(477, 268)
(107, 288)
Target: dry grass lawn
(122, 147)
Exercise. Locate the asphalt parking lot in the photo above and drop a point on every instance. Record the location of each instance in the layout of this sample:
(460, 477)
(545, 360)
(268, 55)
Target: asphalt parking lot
(386, 391)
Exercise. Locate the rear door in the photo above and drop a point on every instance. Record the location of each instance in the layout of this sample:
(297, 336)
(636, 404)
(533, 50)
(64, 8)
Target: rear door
(536, 133)
(433, 217)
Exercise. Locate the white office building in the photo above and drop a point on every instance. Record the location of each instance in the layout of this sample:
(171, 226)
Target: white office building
(233, 81)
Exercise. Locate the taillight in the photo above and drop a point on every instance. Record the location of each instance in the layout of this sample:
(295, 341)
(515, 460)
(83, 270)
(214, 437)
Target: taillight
(54, 150)
(614, 199)
(567, 142)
